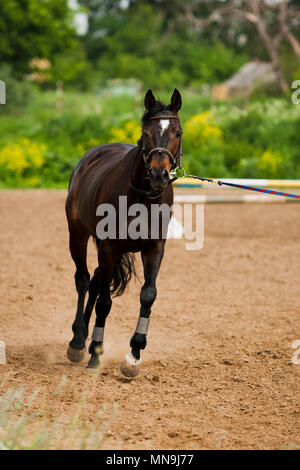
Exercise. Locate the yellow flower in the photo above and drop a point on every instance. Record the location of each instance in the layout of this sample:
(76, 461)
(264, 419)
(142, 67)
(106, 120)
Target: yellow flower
(270, 161)
(95, 142)
(201, 130)
(18, 156)
(33, 181)
(131, 132)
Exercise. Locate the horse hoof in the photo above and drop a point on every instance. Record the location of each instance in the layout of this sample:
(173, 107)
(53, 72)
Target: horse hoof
(130, 367)
(75, 355)
(93, 363)
(99, 349)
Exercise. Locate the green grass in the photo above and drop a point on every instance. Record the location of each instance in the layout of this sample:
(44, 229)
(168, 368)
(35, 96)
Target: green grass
(33, 423)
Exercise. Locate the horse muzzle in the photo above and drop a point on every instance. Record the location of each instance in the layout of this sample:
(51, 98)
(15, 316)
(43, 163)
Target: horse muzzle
(158, 178)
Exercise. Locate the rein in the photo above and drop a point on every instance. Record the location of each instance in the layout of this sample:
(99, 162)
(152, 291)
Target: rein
(177, 171)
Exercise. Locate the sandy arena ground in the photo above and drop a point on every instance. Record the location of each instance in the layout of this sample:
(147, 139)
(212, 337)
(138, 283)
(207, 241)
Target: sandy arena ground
(217, 371)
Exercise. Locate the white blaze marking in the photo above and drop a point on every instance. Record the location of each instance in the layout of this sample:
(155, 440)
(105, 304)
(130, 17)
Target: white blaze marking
(164, 124)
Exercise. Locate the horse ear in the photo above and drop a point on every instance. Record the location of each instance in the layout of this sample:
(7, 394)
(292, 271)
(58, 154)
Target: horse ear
(149, 100)
(176, 100)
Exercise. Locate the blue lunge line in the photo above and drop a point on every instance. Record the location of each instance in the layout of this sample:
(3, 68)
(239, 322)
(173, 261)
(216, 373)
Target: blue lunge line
(250, 188)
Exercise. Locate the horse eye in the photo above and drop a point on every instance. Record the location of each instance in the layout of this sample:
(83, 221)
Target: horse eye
(178, 133)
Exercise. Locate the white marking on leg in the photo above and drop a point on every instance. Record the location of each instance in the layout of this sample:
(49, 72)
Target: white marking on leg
(164, 124)
(130, 359)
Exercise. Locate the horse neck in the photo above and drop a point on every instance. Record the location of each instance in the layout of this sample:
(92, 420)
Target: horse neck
(139, 172)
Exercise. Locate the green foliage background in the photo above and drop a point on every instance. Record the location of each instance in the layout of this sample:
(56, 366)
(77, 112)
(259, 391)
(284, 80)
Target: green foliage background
(225, 140)
(146, 42)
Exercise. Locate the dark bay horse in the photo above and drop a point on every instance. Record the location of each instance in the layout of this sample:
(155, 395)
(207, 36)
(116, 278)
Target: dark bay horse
(102, 176)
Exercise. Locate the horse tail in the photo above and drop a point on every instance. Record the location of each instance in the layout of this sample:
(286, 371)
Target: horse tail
(123, 271)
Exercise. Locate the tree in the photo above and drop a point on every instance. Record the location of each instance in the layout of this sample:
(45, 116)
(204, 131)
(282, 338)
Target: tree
(34, 28)
(144, 41)
(274, 21)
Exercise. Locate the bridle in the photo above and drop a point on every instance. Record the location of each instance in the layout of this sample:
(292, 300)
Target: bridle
(176, 160)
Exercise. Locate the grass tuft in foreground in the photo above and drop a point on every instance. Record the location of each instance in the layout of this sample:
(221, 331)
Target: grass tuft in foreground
(33, 423)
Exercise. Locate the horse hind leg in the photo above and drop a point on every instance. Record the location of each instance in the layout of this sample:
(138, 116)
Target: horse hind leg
(78, 249)
(93, 294)
(96, 349)
(103, 306)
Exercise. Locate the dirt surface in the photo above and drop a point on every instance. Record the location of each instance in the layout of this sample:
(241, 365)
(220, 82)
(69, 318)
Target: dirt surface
(217, 371)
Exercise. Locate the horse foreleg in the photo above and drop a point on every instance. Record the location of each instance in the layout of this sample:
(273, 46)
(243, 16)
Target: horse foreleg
(151, 257)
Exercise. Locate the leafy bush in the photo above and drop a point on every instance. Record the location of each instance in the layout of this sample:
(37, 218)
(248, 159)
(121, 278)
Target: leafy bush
(139, 42)
(262, 141)
(21, 162)
(42, 148)
(203, 144)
